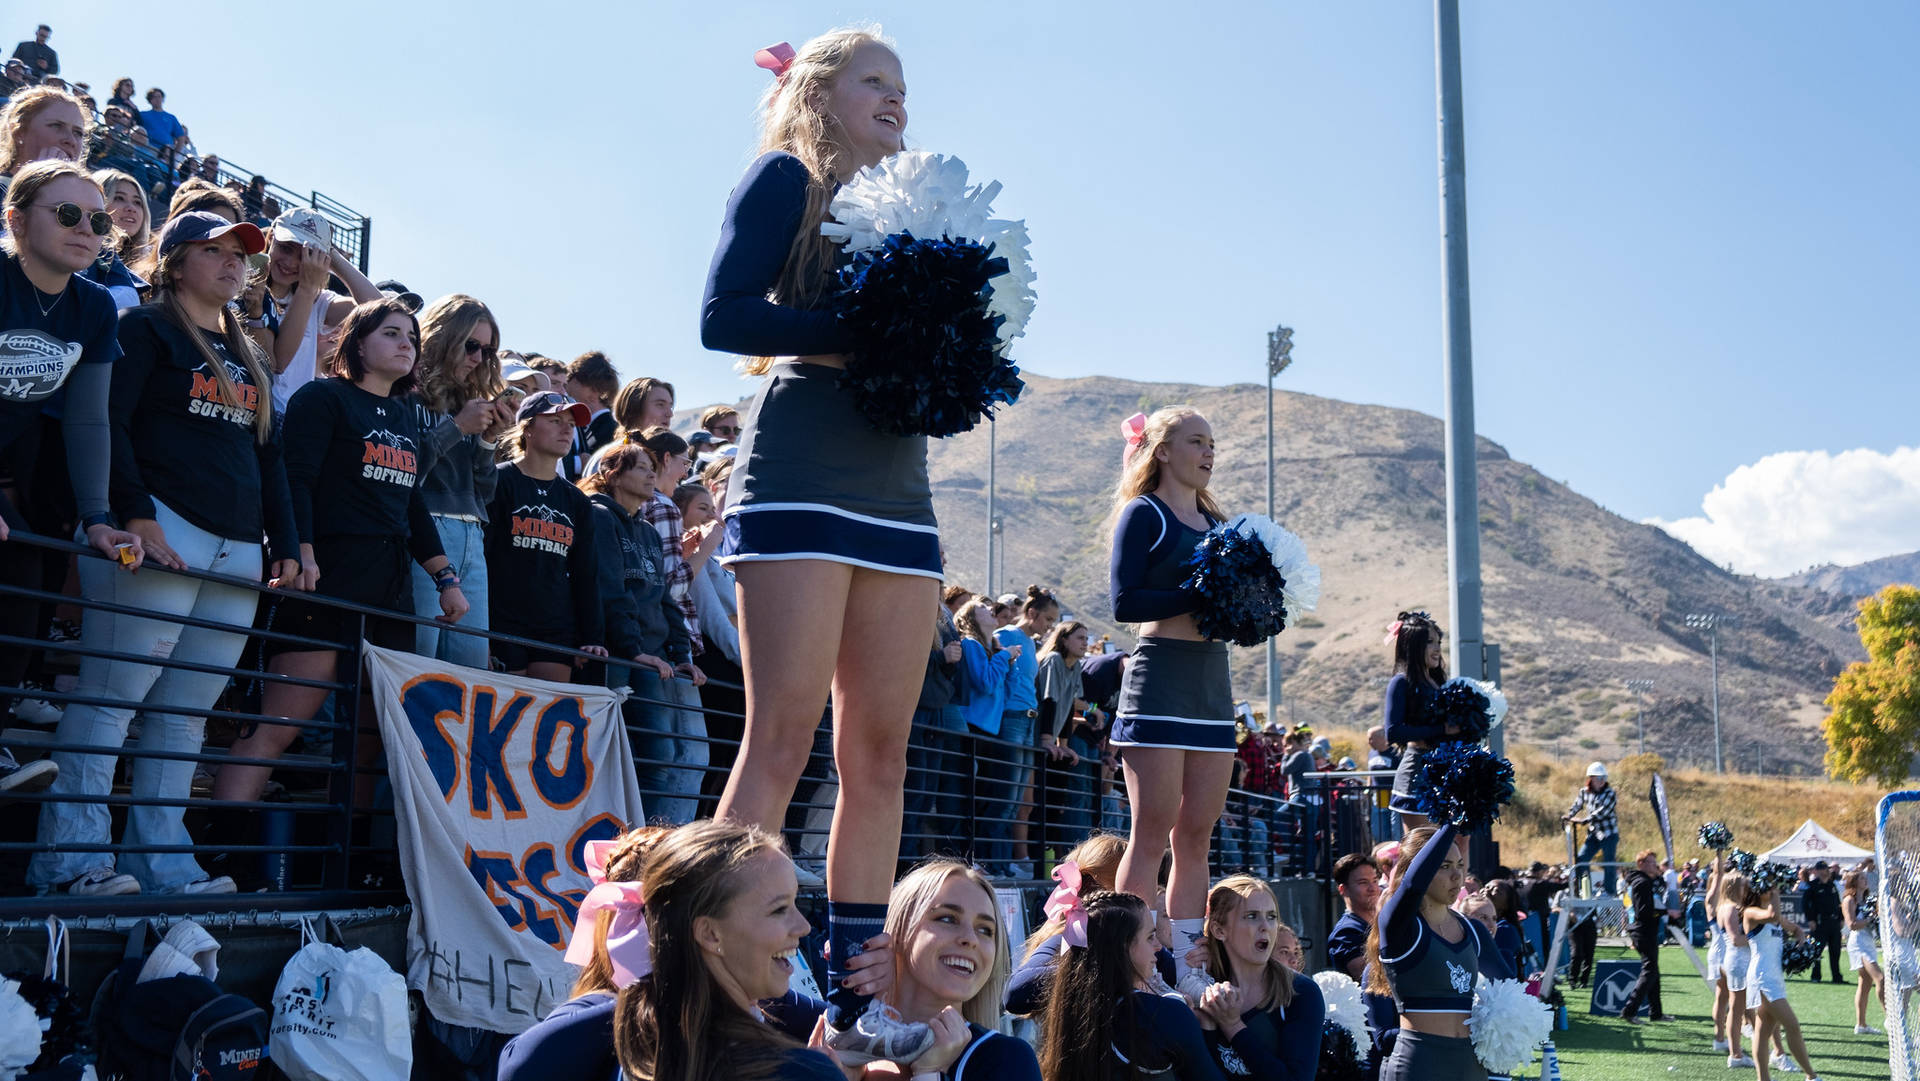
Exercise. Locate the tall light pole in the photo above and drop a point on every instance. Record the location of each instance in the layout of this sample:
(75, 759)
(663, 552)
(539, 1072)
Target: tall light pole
(1637, 686)
(993, 523)
(1463, 485)
(1711, 622)
(1279, 355)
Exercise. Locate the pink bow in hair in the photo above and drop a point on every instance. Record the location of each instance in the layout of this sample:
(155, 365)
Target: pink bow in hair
(627, 944)
(1134, 428)
(1393, 632)
(1064, 904)
(775, 58)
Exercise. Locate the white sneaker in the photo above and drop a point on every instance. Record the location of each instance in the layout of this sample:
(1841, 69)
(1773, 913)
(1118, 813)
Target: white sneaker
(33, 776)
(1193, 984)
(103, 882)
(1742, 1062)
(880, 1033)
(1785, 1064)
(37, 712)
(1720, 1045)
(1020, 872)
(1867, 1030)
(222, 884)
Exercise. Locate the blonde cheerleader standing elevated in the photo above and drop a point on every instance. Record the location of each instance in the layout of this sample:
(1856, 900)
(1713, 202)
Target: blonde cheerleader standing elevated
(829, 524)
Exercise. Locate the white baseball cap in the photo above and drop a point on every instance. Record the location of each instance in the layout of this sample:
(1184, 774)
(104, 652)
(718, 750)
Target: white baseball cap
(302, 226)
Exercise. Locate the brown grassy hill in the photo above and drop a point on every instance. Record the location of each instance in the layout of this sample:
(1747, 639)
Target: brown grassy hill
(1578, 597)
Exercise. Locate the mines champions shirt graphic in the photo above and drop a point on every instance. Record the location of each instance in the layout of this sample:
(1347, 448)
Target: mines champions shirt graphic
(34, 364)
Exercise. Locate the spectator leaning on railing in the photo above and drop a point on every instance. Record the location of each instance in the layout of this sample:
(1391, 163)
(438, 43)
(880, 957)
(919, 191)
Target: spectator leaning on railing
(197, 474)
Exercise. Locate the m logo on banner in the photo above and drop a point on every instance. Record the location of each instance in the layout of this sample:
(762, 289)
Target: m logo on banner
(1612, 980)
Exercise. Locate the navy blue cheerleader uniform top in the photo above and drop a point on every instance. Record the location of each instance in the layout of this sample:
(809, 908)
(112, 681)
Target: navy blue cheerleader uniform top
(812, 479)
(1176, 693)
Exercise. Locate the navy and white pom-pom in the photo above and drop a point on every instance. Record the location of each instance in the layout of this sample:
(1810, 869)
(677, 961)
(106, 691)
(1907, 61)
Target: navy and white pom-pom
(1508, 1025)
(1465, 785)
(1246, 574)
(1769, 875)
(1346, 1007)
(1742, 861)
(935, 292)
(1799, 956)
(1717, 836)
(1868, 910)
(1340, 1058)
(1472, 706)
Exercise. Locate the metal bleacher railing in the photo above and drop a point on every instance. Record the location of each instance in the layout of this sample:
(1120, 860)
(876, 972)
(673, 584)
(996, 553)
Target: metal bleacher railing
(161, 171)
(958, 795)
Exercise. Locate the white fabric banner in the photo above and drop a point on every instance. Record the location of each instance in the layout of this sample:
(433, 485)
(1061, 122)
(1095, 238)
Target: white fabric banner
(499, 782)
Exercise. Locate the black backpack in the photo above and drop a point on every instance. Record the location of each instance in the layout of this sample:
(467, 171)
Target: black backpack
(179, 1028)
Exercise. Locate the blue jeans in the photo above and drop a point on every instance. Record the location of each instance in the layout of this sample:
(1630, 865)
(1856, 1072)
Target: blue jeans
(466, 547)
(669, 745)
(1605, 849)
(1005, 773)
(939, 778)
(150, 688)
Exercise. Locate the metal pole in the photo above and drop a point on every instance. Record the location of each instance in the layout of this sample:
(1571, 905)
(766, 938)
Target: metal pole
(993, 438)
(1273, 649)
(1713, 655)
(1463, 489)
(1640, 708)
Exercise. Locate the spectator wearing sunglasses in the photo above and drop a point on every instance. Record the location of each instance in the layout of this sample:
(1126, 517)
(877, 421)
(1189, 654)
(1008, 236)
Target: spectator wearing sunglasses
(298, 303)
(42, 124)
(462, 414)
(197, 474)
(541, 565)
(722, 422)
(57, 335)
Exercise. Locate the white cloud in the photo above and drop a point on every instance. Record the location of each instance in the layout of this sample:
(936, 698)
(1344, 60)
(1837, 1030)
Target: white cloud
(1789, 511)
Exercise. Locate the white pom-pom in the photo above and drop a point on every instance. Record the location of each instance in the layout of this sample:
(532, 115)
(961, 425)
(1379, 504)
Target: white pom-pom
(19, 1032)
(927, 195)
(1346, 1007)
(1496, 702)
(1289, 553)
(1508, 1024)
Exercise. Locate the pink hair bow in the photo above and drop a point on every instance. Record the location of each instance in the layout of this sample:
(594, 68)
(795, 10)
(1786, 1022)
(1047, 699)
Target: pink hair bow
(1135, 430)
(1064, 904)
(775, 58)
(627, 944)
(1393, 631)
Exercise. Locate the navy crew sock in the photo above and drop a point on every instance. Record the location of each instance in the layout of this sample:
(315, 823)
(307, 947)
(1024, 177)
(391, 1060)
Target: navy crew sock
(849, 926)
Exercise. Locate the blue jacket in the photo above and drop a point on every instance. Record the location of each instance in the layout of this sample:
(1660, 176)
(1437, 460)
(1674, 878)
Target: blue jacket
(1020, 693)
(986, 680)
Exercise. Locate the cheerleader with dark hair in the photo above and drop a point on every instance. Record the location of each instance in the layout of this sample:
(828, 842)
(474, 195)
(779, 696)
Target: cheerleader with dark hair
(1100, 1022)
(1767, 984)
(1175, 721)
(1419, 668)
(1426, 956)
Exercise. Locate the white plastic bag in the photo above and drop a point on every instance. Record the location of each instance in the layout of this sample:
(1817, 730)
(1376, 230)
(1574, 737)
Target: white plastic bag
(340, 1015)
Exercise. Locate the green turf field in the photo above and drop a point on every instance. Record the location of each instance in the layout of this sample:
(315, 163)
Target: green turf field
(1607, 1049)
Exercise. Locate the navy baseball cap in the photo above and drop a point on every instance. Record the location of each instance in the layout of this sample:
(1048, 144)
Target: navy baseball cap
(198, 225)
(552, 401)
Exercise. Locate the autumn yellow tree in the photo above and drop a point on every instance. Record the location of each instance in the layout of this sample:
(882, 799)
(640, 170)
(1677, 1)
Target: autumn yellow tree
(1874, 729)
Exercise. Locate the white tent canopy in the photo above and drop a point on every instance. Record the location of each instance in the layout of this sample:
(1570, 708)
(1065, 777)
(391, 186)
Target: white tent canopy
(1813, 842)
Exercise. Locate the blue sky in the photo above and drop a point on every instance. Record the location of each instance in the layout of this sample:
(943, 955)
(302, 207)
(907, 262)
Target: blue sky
(1692, 225)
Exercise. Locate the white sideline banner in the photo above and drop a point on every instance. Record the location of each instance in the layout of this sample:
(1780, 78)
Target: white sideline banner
(499, 782)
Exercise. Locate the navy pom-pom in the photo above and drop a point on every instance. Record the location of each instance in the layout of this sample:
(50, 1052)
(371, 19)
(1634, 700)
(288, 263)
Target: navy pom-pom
(1769, 875)
(1742, 861)
(1799, 956)
(1239, 588)
(928, 360)
(1465, 785)
(1716, 835)
(1460, 703)
(1339, 1054)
